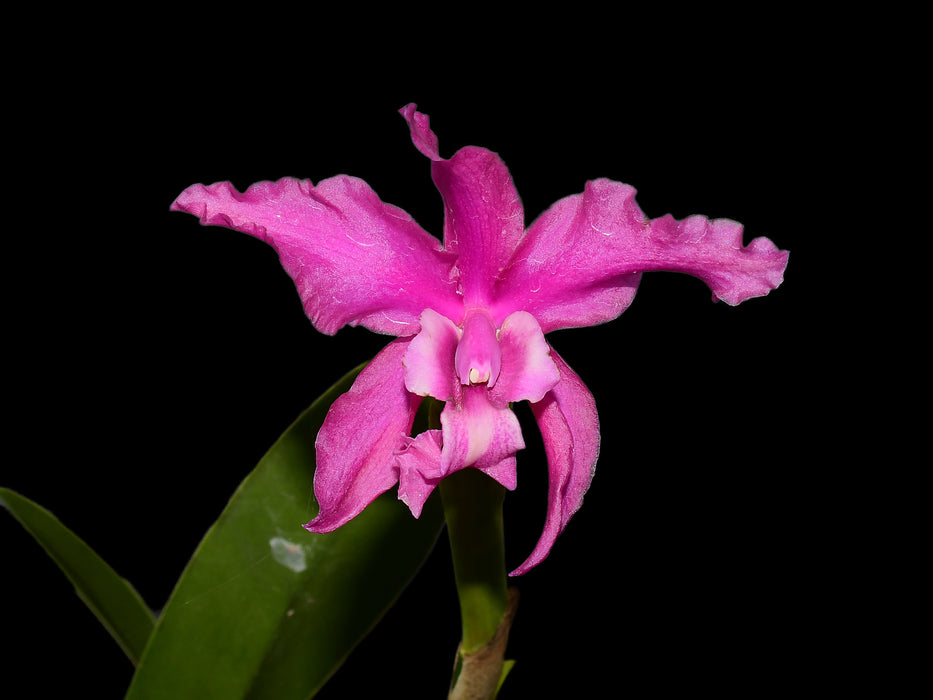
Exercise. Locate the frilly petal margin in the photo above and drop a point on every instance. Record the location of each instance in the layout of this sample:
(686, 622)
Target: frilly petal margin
(570, 429)
(712, 250)
(419, 467)
(354, 259)
(581, 261)
(357, 444)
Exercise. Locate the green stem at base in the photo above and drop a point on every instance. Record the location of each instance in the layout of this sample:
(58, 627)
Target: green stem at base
(473, 509)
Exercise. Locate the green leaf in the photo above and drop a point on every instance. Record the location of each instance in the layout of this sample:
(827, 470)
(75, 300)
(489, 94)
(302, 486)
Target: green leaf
(265, 609)
(111, 598)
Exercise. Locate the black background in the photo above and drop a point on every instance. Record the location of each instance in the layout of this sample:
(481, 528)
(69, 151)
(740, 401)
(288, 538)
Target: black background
(154, 360)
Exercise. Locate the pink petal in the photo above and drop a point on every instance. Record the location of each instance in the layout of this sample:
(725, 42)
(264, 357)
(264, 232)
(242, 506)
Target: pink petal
(357, 443)
(570, 429)
(429, 360)
(419, 464)
(421, 134)
(580, 262)
(527, 372)
(712, 250)
(484, 216)
(478, 434)
(354, 259)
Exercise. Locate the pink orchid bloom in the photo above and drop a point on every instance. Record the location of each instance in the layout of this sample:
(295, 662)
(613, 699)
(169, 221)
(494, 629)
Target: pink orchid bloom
(470, 315)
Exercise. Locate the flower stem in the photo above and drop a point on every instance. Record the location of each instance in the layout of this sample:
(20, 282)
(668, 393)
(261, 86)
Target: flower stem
(473, 509)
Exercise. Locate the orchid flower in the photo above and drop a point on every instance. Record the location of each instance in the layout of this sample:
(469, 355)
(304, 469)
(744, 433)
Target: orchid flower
(470, 315)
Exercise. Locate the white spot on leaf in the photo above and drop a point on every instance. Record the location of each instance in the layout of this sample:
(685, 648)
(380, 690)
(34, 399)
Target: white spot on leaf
(288, 554)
